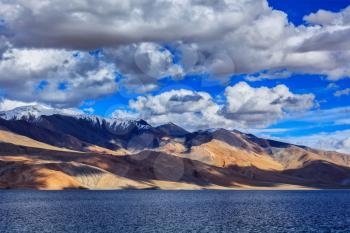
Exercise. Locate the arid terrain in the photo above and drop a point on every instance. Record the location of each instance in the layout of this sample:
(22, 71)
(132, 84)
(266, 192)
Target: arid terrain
(83, 152)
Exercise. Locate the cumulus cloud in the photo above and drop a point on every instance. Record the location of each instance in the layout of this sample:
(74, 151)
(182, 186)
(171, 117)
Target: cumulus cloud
(244, 107)
(143, 65)
(175, 101)
(56, 77)
(190, 109)
(329, 39)
(262, 106)
(104, 23)
(323, 17)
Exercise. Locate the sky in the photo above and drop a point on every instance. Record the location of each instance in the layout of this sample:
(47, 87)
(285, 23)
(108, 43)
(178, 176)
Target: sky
(278, 69)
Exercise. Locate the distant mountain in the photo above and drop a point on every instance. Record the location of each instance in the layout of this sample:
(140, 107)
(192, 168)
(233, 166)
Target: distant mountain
(67, 149)
(33, 112)
(172, 130)
(73, 130)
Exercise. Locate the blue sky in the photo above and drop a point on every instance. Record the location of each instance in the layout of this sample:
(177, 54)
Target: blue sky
(198, 72)
(297, 10)
(317, 84)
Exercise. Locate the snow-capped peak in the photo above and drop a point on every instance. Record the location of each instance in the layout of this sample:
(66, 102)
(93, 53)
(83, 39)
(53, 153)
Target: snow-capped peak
(34, 112)
(140, 124)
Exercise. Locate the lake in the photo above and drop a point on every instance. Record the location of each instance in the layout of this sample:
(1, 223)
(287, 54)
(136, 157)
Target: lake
(174, 211)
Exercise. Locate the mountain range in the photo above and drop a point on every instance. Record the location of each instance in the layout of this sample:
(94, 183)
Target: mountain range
(45, 148)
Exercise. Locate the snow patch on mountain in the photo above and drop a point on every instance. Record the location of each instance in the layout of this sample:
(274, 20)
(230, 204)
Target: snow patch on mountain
(34, 112)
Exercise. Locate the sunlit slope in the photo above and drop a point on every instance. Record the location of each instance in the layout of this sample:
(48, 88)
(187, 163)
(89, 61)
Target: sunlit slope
(62, 152)
(9, 137)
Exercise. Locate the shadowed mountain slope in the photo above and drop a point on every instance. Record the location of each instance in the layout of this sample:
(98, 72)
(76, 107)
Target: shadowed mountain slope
(79, 151)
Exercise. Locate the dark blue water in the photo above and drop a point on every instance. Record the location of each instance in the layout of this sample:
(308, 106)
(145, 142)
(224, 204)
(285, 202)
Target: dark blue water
(175, 211)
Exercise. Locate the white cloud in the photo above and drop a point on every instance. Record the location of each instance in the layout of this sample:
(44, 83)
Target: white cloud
(318, 121)
(221, 38)
(243, 107)
(343, 121)
(263, 106)
(175, 101)
(342, 92)
(325, 18)
(332, 86)
(143, 65)
(268, 76)
(321, 116)
(335, 141)
(190, 109)
(104, 23)
(124, 115)
(55, 77)
(89, 110)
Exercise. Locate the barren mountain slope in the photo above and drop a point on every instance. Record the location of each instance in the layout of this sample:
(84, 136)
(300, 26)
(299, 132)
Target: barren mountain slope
(115, 154)
(9, 137)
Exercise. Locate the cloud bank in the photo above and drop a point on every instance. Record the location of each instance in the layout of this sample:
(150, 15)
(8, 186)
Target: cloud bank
(140, 41)
(244, 107)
